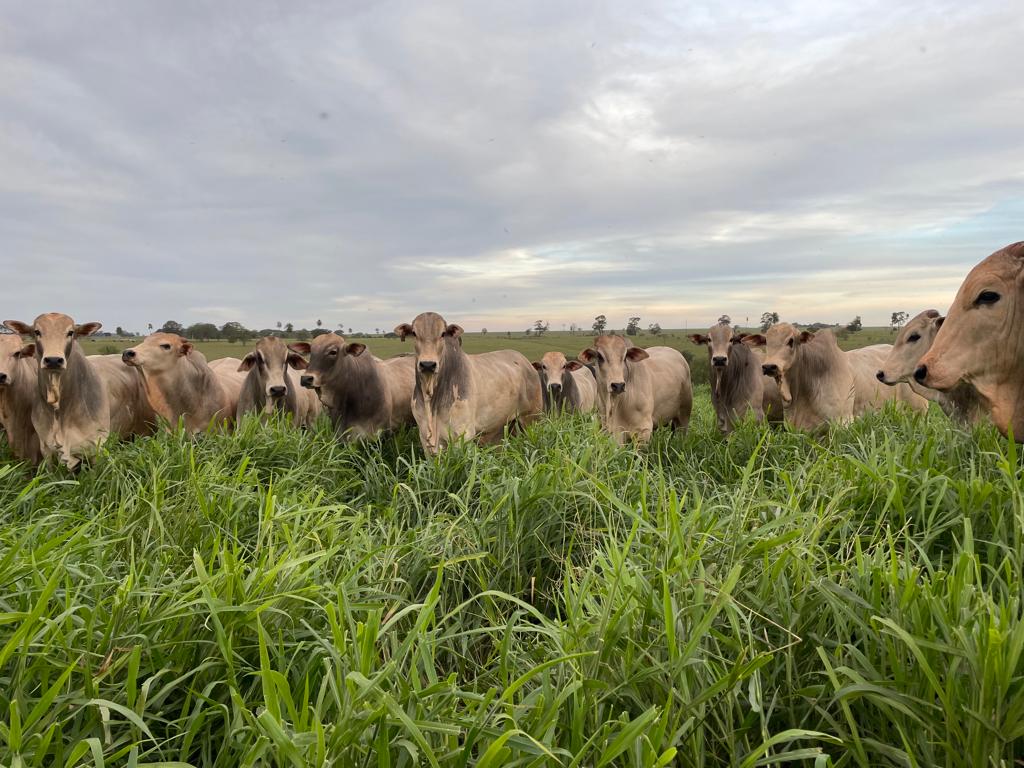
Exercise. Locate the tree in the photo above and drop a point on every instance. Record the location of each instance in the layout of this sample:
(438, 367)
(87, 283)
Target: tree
(768, 319)
(289, 328)
(119, 331)
(854, 325)
(150, 327)
(725, 320)
(235, 331)
(600, 323)
(350, 330)
(318, 332)
(320, 322)
(202, 331)
(483, 331)
(172, 326)
(539, 326)
(302, 335)
(633, 326)
(655, 329)
(573, 328)
(279, 325)
(898, 319)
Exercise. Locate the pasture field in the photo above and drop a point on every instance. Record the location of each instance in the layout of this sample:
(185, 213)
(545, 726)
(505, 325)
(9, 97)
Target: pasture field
(275, 598)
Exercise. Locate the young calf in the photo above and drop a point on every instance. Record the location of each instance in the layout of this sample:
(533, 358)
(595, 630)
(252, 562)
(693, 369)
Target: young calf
(269, 386)
(567, 385)
(639, 389)
(363, 394)
(466, 396)
(961, 403)
(738, 385)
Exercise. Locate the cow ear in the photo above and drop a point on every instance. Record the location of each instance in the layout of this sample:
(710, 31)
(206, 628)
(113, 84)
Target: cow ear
(537, 366)
(355, 349)
(738, 338)
(185, 348)
(636, 354)
(699, 338)
(754, 340)
(87, 329)
(248, 362)
(939, 321)
(302, 347)
(453, 330)
(29, 350)
(297, 361)
(806, 336)
(588, 355)
(932, 313)
(19, 327)
(404, 330)
(573, 365)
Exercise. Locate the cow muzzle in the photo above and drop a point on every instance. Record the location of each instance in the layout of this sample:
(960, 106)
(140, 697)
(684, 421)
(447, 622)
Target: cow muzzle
(428, 366)
(555, 387)
(307, 381)
(53, 363)
(277, 391)
(719, 361)
(920, 374)
(617, 388)
(770, 369)
(129, 357)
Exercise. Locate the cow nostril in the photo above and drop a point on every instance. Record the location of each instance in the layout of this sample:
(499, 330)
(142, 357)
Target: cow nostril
(3, 378)
(769, 369)
(306, 381)
(921, 373)
(555, 387)
(128, 354)
(277, 391)
(619, 387)
(428, 366)
(53, 362)
(880, 375)
(718, 360)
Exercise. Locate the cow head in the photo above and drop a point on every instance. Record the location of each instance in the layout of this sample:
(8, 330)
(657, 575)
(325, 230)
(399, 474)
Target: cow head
(610, 354)
(719, 340)
(550, 368)
(913, 340)
(12, 350)
(269, 362)
(433, 337)
(54, 334)
(980, 342)
(327, 353)
(158, 352)
(781, 343)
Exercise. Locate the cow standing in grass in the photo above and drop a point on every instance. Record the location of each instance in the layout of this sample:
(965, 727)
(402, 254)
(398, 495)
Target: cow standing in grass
(639, 389)
(460, 396)
(181, 385)
(18, 375)
(363, 394)
(738, 385)
(567, 385)
(961, 403)
(270, 387)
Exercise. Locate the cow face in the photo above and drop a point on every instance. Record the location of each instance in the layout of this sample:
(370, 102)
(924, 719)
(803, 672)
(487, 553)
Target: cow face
(12, 350)
(719, 341)
(610, 354)
(158, 353)
(913, 341)
(270, 361)
(54, 334)
(550, 368)
(433, 335)
(980, 342)
(781, 343)
(326, 358)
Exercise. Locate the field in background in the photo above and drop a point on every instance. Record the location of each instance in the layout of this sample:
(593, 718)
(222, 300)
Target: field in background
(274, 598)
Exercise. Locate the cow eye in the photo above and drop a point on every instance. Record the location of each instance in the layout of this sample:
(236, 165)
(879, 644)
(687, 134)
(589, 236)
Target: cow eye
(985, 298)
(332, 352)
(789, 343)
(914, 337)
(38, 333)
(70, 334)
(165, 346)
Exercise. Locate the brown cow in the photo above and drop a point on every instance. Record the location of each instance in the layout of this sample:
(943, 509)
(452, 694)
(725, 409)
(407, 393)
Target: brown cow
(915, 338)
(71, 411)
(821, 383)
(567, 385)
(270, 386)
(738, 385)
(639, 389)
(363, 394)
(181, 385)
(18, 375)
(981, 342)
(466, 396)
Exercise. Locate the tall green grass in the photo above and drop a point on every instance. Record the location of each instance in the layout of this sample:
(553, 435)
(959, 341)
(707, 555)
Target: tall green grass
(274, 598)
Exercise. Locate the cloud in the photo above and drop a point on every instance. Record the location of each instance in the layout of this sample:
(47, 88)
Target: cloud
(362, 162)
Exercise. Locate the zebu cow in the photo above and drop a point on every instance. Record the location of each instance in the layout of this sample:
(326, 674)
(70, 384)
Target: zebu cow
(639, 389)
(181, 385)
(961, 403)
(270, 387)
(820, 383)
(466, 396)
(18, 375)
(981, 342)
(567, 385)
(80, 400)
(738, 385)
(363, 394)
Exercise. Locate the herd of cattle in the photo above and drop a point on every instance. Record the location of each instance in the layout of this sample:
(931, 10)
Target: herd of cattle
(57, 402)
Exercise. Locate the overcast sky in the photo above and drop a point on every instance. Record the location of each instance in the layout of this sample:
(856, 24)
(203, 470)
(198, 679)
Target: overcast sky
(500, 162)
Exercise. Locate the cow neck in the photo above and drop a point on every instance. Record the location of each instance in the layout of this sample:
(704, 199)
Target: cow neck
(814, 361)
(77, 389)
(451, 382)
(185, 389)
(16, 409)
(570, 392)
(737, 382)
(357, 389)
